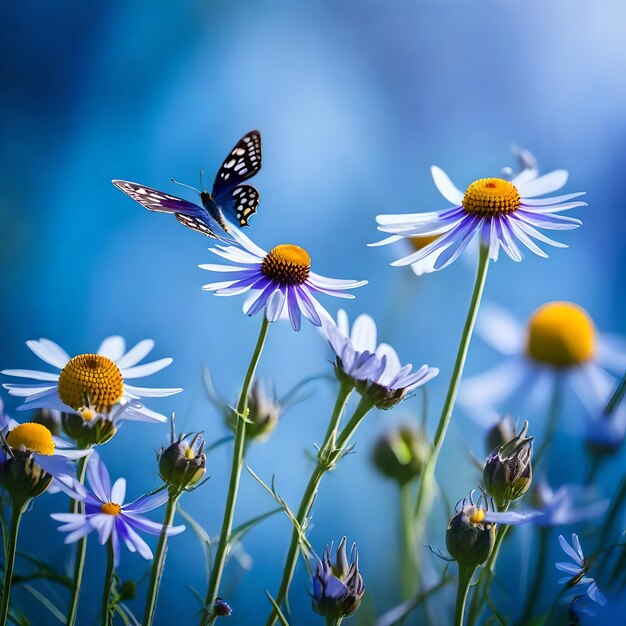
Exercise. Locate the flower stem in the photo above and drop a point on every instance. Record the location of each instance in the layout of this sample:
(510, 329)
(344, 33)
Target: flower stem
(465, 578)
(78, 506)
(18, 509)
(409, 571)
(424, 493)
(159, 560)
(326, 460)
(108, 582)
(551, 421)
(235, 475)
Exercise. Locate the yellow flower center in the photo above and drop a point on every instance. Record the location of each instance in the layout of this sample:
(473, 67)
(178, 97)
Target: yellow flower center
(287, 264)
(561, 334)
(91, 380)
(110, 508)
(421, 242)
(32, 436)
(488, 197)
(476, 516)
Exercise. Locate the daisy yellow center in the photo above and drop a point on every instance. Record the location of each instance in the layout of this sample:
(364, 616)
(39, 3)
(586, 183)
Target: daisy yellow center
(477, 516)
(561, 334)
(421, 242)
(32, 436)
(489, 197)
(91, 380)
(110, 508)
(287, 264)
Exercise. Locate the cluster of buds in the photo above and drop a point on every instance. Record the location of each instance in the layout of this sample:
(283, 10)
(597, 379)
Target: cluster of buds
(337, 587)
(183, 463)
(264, 409)
(508, 473)
(469, 538)
(401, 453)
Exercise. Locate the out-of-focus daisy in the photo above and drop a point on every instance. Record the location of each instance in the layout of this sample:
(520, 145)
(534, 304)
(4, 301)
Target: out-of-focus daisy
(92, 384)
(375, 369)
(560, 339)
(569, 504)
(504, 213)
(106, 513)
(281, 280)
(577, 571)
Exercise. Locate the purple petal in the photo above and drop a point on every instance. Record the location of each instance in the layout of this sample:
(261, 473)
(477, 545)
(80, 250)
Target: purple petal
(99, 479)
(294, 310)
(147, 502)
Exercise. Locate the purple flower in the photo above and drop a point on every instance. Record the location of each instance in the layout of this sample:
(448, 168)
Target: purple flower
(577, 571)
(280, 281)
(106, 513)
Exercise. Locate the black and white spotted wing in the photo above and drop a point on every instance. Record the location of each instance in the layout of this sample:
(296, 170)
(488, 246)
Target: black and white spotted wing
(195, 223)
(155, 200)
(239, 201)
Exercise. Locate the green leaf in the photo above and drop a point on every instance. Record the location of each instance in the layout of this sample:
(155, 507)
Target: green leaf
(281, 618)
(218, 443)
(203, 537)
(53, 609)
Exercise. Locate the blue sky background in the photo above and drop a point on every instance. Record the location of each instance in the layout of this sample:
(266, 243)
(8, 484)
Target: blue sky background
(355, 100)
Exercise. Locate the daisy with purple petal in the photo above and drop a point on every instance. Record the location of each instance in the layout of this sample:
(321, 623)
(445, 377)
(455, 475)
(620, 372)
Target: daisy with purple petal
(106, 513)
(577, 571)
(280, 281)
(92, 385)
(375, 369)
(503, 213)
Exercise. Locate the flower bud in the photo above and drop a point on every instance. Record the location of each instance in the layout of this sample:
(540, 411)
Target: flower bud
(337, 587)
(380, 396)
(221, 608)
(401, 453)
(88, 428)
(264, 411)
(508, 470)
(21, 476)
(469, 539)
(182, 463)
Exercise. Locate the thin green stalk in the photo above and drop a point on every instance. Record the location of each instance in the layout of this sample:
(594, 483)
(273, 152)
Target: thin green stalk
(9, 557)
(409, 571)
(235, 475)
(425, 487)
(617, 397)
(552, 420)
(465, 578)
(159, 560)
(108, 582)
(324, 464)
(534, 592)
(81, 548)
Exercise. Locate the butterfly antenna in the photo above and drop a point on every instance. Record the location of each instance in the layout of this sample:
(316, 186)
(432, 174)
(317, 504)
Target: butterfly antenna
(201, 182)
(183, 185)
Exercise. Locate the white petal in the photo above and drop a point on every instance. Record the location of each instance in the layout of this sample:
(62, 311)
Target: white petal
(118, 491)
(139, 371)
(493, 386)
(112, 347)
(611, 352)
(364, 334)
(27, 390)
(136, 353)
(49, 352)
(446, 187)
(543, 184)
(497, 327)
(147, 392)
(34, 374)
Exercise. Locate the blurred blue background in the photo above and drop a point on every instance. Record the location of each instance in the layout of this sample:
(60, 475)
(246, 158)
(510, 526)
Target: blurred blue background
(355, 100)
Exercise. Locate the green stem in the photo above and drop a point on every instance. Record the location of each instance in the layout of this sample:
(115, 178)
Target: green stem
(9, 558)
(424, 493)
(465, 578)
(534, 592)
(409, 570)
(81, 549)
(108, 582)
(159, 560)
(617, 397)
(324, 464)
(551, 421)
(235, 475)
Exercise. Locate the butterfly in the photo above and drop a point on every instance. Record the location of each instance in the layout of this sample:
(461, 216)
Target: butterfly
(229, 199)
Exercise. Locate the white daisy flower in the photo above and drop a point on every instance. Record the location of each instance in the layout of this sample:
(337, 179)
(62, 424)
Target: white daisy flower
(504, 213)
(559, 339)
(92, 384)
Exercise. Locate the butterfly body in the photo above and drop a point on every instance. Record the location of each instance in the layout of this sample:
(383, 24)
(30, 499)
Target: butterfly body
(229, 198)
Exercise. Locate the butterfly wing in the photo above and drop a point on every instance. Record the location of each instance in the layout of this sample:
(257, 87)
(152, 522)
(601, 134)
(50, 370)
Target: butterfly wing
(244, 161)
(155, 200)
(197, 224)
